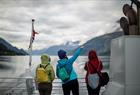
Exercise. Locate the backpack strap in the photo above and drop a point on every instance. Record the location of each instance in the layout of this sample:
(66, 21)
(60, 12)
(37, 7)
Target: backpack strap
(46, 66)
(43, 66)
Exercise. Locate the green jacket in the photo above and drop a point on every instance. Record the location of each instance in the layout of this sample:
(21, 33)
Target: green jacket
(45, 60)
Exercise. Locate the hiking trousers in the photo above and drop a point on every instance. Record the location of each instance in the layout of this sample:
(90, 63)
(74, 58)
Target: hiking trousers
(71, 86)
(45, 88)
(93, 91)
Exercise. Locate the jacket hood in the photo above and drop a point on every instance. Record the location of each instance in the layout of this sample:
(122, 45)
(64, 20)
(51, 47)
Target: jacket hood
(62, 62)
(92, 55)
(45, 59)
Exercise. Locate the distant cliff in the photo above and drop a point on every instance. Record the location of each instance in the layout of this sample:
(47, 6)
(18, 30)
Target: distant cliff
(101, 44)
(7, 49)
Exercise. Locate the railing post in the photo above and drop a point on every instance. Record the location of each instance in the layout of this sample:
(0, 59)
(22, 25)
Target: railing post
(29, 86)
(29, 81)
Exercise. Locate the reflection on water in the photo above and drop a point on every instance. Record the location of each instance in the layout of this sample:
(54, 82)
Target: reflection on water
(5, 58)
(15, 66)
(3, 61)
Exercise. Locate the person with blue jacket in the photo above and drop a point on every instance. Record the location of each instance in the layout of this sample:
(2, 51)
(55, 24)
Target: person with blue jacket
(71, 84)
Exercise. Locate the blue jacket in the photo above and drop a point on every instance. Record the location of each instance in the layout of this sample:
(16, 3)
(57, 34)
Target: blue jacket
(69, 65)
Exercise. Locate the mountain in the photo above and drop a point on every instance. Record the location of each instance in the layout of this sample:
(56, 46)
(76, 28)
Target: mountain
(68, 46)
(101, 44)
(7, 49)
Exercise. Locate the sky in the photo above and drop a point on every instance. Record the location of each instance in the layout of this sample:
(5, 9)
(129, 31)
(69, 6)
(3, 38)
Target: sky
(58, 21)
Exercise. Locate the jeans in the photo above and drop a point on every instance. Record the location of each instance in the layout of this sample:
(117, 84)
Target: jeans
(71, 86)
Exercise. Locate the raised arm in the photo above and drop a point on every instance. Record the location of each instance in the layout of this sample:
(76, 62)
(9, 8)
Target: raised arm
(75, 55)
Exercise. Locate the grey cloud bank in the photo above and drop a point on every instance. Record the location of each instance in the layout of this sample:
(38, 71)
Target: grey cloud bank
(57, 21)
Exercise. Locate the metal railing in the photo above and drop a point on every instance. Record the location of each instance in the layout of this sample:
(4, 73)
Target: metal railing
(26, 86)
(19, 86)
(13, 86)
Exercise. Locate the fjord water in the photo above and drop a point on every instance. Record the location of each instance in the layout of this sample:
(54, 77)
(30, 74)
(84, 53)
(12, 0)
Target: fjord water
(15, 66)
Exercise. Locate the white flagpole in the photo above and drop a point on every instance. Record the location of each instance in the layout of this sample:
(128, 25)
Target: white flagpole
(29, 77)
(30, 47)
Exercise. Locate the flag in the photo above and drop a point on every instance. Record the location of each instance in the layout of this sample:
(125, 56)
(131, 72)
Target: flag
(32, 37)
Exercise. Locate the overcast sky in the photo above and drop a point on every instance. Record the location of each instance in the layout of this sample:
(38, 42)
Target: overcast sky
(57, 21)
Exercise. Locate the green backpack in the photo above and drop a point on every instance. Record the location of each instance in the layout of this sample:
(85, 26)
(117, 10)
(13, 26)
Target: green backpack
(63, 74)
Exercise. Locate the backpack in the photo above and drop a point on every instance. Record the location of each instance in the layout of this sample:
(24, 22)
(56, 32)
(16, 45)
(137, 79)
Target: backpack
(63, 73)
(93, 79)
(41, 74)
(104, 78)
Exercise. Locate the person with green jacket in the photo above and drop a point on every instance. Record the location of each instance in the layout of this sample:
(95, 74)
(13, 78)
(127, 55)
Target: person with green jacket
(45, 86)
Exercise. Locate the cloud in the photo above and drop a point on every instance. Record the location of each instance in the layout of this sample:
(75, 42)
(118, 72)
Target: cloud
(57, 21)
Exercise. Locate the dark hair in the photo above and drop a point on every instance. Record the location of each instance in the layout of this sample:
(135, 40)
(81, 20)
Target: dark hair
(62, 54)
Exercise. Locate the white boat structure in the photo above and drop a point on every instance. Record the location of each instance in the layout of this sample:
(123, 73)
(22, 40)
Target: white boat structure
(125, 62)
(124, 67)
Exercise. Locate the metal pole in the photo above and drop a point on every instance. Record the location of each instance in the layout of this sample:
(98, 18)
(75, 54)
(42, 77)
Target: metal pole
(30, 48)
(30, 60)
(136, 2)
(138, 13)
